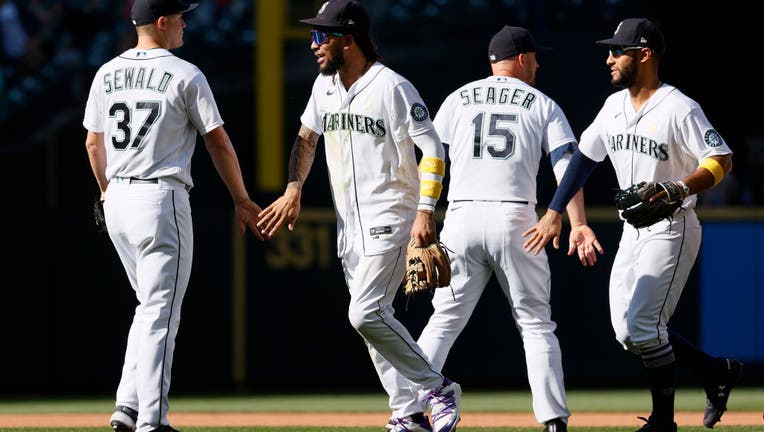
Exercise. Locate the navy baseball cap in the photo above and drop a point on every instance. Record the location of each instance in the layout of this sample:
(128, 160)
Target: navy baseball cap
(347, 15)
(146, 11)
(511, 41)
(637, 32)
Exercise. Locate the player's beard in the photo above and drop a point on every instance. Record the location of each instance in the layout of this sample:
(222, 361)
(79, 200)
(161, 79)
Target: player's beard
(331, 66)
(626, 76)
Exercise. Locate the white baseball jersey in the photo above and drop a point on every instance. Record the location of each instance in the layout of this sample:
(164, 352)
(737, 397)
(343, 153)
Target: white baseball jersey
(149, 105)
(371, 160)
(665, 140)
(375, 186)
(497, 129)
(140, 93)
(512, 125)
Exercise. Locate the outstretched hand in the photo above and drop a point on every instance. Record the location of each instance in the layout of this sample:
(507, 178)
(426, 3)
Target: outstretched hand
(583, 240)
(286, 209)
(247, 214)
(547, 228)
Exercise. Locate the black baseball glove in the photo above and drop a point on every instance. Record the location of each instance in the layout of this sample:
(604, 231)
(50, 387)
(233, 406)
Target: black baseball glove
(100, 219)
(638, 208)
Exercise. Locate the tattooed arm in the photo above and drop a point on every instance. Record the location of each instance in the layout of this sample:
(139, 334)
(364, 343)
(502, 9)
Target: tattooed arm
(286, 209)
(301, 158)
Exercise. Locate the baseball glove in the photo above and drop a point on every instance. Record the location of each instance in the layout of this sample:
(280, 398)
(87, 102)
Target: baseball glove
(637, 208)
(427, 268)
(100, 219)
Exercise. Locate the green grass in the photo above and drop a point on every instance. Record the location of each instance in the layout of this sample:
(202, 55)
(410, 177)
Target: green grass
(378, 429)
(743, 399)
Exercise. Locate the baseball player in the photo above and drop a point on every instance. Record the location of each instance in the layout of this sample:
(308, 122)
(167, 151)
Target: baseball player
(497, 130)
(142, 116)
(651, 132)
(372, 119)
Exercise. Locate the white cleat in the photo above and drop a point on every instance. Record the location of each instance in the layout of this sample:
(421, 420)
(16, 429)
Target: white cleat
(123, 419)
(444, 404)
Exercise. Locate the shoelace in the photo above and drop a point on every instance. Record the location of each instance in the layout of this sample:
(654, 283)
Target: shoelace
(401, 421)
(442, 404)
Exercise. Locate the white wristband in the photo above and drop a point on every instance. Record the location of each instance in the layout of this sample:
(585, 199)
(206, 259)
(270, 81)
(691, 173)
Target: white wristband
(685, 189)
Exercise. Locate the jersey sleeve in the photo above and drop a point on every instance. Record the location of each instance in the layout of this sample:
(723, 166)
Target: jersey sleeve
(593, 141)
(701, 138)
(408, 113)
(558, 132)
(311, 118)
(200, 104)
(93, 120)
(443, 121)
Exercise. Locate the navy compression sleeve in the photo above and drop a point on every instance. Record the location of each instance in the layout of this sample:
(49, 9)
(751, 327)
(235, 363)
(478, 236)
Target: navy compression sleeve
(578, 172)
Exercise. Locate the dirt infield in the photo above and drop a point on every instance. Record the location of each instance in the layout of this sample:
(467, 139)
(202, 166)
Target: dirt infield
(470, 419)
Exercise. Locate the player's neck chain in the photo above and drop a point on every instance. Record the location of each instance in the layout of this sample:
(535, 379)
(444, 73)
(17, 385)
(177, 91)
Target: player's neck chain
(347, 85)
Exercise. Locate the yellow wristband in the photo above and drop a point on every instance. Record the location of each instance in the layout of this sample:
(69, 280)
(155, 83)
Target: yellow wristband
(430, 188)
(433, 165)
(714, 168)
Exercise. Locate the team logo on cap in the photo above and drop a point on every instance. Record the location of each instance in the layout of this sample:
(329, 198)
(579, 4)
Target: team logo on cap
(323, 7)
(712, 138)
(419, 112)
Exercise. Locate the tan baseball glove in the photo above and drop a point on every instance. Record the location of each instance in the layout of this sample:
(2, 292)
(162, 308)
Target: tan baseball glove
(427, 268)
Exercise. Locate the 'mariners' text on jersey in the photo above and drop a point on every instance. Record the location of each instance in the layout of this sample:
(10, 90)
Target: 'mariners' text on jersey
(135, 78)
(492, 96)
(353, 122)
(638, 144)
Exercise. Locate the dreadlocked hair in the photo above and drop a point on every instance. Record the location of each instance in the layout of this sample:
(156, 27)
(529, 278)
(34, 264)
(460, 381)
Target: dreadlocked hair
(367, 46)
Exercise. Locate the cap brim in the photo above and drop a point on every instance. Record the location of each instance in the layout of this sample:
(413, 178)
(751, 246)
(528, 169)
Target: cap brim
(191, 6)
(321, 25)
(611, 42)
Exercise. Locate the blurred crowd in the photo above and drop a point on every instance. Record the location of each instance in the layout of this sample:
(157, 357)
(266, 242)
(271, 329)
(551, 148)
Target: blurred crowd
(51, 48)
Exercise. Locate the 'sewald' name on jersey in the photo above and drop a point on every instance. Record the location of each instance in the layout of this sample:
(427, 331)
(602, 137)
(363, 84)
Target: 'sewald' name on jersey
(502, 96)
(353, 122)
(135, 78)
(638, 144)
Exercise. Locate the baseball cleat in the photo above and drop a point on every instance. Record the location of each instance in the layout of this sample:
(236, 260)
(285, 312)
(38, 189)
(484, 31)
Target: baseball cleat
(165, 428)
(444, 404)
(652, 426)
(555, 425)
(718, 387)
(413, 423)
(123, 419)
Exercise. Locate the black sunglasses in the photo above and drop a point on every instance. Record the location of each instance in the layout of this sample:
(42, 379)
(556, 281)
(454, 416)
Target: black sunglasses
(617, 51)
